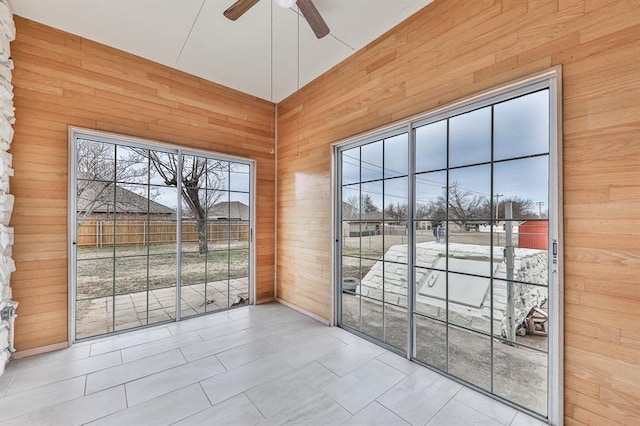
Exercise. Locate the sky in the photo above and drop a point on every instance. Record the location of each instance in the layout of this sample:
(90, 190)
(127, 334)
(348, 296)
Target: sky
(520, 129)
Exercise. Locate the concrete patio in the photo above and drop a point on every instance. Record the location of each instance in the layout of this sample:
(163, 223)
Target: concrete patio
(96, 316)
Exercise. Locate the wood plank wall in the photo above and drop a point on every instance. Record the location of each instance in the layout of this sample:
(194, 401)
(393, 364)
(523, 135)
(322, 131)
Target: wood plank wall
(63, 80)
(452, 49)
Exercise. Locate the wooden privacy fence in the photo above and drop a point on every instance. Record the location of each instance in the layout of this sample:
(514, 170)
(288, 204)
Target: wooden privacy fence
(103, 233)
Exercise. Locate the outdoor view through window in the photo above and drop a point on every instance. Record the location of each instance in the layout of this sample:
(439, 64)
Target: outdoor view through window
(140, 247)
(448, 219)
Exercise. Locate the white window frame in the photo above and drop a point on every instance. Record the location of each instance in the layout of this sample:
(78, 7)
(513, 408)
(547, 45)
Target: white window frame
(549, 79)
(76, 133)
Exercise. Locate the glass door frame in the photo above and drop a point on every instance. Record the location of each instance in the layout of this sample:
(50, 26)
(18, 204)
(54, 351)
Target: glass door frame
(550, 79)
(75, 133)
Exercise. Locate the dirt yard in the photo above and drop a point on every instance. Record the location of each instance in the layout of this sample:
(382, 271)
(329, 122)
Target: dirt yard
(520, 374)
(133, 270)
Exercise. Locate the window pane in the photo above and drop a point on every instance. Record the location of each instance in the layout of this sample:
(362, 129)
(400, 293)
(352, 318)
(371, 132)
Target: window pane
(351, 309)
(521, 126)
(470, 357)
(371, 238)
(218, 295)
(351, 202)
(162, 272)
(132, 165)
(396, 199)
(520, 375)
(431, 342)
(193, 300)
(371, 161)
(371, 202)
(470, 249)
(431, 147)
(94, 278)
(194, 172)
(395, 323)
(239, 177)
(162, 205)
(395, 238)
(94, 317)
(395, 284)
(351, 166)
(163, 168)
(470, 138)
(373, 318)
(130, 310)
(396, 156)
(529, 309)
(469, 192)
(96, 160)
(526, 184)
(469, 298)
(431, 293)
(131, 274)
(218, 265)
(131, 236)
(217, 175)
(431, 195)
(239, 264)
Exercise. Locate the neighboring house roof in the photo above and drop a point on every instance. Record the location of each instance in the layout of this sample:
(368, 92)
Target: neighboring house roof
(98, 197)
(234, 210)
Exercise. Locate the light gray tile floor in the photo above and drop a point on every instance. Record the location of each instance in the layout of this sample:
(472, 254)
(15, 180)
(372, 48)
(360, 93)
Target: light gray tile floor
(254, 365)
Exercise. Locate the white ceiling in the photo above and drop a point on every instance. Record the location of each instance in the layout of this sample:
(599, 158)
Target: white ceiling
(194, 36)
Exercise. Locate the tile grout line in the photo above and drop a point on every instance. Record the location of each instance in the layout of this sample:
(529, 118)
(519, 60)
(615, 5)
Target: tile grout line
(4, 393)
(445, 404)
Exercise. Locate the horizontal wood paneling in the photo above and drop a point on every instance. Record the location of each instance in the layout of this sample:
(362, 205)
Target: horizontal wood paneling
(62, 80)
(452, 49)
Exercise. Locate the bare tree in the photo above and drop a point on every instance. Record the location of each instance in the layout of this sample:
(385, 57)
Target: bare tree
(98, 171)
(202, 180)
(364, 202)
(465, 206)
(397, 212)
(521, 207)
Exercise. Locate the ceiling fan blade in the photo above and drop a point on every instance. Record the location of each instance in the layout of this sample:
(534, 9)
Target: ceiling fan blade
(313, 17)
(239, 8)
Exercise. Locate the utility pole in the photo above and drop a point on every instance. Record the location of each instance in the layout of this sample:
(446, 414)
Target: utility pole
(497, 203)
(540, 204)
(509, 255)
(494, 226)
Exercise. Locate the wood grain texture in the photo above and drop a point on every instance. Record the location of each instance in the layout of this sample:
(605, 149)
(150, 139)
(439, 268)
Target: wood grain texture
(452, 49)
(62, 80)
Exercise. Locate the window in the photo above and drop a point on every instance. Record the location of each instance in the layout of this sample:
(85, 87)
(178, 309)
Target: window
(445, 227)
(159, 233)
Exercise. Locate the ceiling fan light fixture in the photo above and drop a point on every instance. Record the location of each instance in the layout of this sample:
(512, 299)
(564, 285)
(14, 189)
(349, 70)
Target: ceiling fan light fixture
(286, 3)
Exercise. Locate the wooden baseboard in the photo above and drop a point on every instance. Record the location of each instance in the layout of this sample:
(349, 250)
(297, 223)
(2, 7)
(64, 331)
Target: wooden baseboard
(263, 301)
(304, 312)
(40, 350)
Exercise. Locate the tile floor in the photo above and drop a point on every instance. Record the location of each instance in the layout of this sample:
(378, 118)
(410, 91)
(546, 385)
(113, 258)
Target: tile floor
(254, 365)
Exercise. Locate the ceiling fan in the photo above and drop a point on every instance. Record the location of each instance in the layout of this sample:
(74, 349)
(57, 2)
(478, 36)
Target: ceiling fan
(307, 8)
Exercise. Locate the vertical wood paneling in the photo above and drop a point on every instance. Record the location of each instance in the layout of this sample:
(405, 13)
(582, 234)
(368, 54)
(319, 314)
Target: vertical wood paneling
(452, 49)
(63, 80)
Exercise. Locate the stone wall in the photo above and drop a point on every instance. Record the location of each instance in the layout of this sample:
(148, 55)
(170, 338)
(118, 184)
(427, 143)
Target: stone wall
(530, 265)
(7, 306)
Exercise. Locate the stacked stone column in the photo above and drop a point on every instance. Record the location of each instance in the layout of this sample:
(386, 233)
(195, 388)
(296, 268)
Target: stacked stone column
(7, 118)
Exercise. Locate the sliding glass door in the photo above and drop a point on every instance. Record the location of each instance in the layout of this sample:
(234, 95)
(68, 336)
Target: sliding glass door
(159, 233)
(448, 242)
(374, 201)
